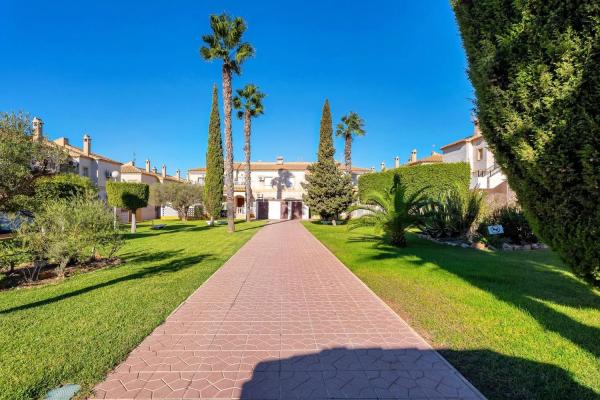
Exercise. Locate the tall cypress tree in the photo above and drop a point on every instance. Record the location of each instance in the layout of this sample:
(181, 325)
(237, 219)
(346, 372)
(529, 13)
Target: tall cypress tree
(213, 181)
(328, 190)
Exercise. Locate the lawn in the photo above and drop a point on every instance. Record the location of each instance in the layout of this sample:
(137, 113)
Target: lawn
(518, 325)
(77, 330)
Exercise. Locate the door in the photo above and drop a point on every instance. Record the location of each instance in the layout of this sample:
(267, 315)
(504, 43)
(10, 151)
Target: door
(262, 209)
(296, 210)
(274, 209)
(284, 210)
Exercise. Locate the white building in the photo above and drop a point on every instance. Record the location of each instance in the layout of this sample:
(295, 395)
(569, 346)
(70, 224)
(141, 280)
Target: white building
(276, 188)
(83, 161)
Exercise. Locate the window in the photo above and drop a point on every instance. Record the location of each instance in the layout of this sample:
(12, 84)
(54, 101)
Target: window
(86, 171)
(201, 180)
(479, 154)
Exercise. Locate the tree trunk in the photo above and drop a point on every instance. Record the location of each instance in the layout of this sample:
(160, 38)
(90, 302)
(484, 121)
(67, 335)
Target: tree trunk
(133, 224)
(212, 221)
(228, 148)
(348, 154)
(398, 239)
(247, 131)
(61, 268)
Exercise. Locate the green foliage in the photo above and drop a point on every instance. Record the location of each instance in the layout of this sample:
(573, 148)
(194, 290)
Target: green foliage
(516, 227)
(68, 230)
(127, 195)
(225, 42)
(213, 181)
(350, 126)
(433, 179)
(249, 99)
(454, 215)
(22, 160)
(63, 186)
(328, 190)
(391, 212)
(535, 67)
(179, 196)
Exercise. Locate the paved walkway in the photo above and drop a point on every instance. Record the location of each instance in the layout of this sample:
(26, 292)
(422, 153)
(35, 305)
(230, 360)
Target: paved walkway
(284, 319)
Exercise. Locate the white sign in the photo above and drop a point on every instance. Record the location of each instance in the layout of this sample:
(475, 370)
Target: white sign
(495, 229)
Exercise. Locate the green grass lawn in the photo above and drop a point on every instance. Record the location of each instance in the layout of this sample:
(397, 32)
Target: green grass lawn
(77, 330)
(517, 325)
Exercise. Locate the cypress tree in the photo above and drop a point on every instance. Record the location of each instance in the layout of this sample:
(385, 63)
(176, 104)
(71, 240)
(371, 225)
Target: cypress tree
(213, 181)
(328, 190)
(535, 67)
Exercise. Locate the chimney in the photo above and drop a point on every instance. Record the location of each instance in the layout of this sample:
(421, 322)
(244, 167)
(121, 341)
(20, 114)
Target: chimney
(38, 128)
(280, 160)
(413, 155)
(87, 144)
(383, 165)
(147, 165)
(63, 141)
(178, 174)
(476, 130)
(373, 168)
(154, 170)
(397, 162)
(164, 170)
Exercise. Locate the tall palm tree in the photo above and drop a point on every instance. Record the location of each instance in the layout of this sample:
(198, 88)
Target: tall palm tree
(391, 212)
(248, 102)
(351, 125)
(225, 44)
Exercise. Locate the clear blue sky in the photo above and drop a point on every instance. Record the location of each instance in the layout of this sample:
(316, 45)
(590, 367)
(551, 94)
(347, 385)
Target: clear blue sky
(129, 74)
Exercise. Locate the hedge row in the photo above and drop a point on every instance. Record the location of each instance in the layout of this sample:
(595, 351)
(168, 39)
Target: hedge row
(435, 179)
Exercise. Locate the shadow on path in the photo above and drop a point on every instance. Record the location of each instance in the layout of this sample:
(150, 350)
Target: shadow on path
(341, 373)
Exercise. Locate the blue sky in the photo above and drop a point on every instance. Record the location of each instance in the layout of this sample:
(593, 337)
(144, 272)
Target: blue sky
(129, 74)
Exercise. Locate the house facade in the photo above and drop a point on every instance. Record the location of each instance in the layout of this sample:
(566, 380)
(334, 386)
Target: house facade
(276, 188)
(82, 160)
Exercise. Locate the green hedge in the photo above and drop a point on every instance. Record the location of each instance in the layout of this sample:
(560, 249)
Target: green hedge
(435, 178)
(63, 186)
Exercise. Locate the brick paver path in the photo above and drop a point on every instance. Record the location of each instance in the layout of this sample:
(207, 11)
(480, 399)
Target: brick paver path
(284, 319)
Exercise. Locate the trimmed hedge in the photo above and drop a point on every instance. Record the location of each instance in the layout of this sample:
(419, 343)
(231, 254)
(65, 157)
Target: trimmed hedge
(535, 67)
(437, 179)
(127, 195)
(63, 186)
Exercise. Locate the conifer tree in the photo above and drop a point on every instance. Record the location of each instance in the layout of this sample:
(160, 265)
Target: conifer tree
(328, 190)
(213, 181)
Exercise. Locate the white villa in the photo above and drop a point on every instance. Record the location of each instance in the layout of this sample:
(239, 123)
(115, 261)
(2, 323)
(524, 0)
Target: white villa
(100, 169)
(276, 188)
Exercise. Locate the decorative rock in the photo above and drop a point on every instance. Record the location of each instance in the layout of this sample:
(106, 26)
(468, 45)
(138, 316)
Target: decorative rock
(527, 247)
(464, 245)
(507, 247)
(478, 246)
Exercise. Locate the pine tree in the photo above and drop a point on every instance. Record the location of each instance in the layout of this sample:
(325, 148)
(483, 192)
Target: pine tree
(213, 181)
(328, 190)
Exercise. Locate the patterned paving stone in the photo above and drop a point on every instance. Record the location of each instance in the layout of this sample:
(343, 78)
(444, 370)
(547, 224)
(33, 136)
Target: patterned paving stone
(284, 319)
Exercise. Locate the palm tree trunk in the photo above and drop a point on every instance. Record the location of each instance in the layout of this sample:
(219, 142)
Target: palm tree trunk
(228, 148)
(247, 132)
(348, 154)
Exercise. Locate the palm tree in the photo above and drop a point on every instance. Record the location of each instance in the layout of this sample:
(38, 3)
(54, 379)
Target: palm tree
(351, 125)
(225, 44)
(391, 212)
(248, 102)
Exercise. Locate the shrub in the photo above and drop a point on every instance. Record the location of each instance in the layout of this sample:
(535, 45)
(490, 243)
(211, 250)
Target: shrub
(432, 179)
(535, 68)
(516, 227)
(128, 195)
(454, 215)
(391, 212)
(63, 186)
(180, 196)
(66, 231)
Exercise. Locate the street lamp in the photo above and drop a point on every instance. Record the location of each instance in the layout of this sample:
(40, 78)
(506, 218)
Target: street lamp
(115, 176)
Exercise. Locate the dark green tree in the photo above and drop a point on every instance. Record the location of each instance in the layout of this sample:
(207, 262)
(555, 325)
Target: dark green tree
(328, 190)
(535, 67)
(213, 180)
(128, 195)
(24, 157)
(225, 44)
(248, 102)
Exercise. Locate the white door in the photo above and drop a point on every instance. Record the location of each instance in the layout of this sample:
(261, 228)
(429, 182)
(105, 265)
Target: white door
(274, 209)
